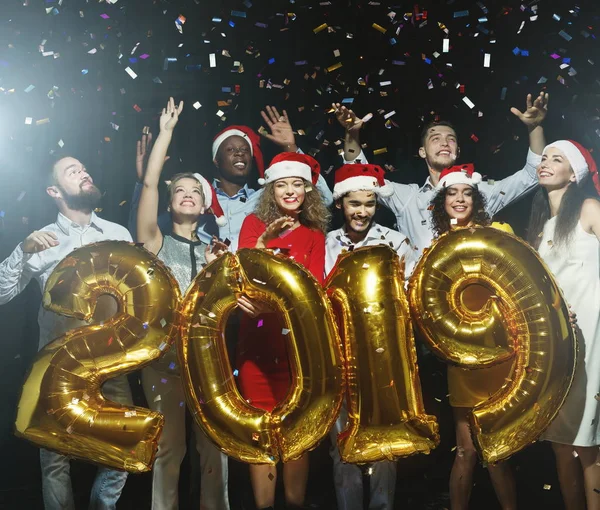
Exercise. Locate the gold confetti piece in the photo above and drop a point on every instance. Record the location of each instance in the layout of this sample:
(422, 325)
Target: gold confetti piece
(379, 350)
(379, 28)
(123, 203)
(42, 121)
(380, 151)
(547, 486)
(320, 28)
(334, 67)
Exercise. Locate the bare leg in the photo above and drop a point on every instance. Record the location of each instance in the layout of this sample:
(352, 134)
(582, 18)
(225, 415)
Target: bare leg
(504, 485)
(461, 477)
(264, 480)
(590, 462)
(570, 476)
(295, 477)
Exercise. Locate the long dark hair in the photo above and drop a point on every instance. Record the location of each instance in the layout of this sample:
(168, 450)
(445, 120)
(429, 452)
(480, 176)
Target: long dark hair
(567, 216)
(440, 219)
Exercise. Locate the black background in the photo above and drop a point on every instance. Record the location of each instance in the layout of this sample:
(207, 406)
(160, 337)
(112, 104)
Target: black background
(82, 107)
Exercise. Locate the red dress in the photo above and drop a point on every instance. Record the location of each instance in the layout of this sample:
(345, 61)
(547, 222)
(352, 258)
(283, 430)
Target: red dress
(264, 373)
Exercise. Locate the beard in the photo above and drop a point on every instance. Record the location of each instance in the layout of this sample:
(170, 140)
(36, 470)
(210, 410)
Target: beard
(85, 200)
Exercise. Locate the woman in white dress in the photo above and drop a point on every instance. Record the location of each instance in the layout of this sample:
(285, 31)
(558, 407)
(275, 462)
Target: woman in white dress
(565, 228)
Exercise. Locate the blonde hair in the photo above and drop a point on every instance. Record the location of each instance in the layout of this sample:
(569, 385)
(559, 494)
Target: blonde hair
(314, 214)
(184, 175)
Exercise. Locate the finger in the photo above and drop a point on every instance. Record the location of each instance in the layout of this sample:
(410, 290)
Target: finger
(148, 139)
(285, 116)
(275, 113)
(139, 147)
(164, 111)
(528, 101)
(516, 112)
(271, 113)
(266, 118)
(180, 107)
(41, 243)
(245, 309)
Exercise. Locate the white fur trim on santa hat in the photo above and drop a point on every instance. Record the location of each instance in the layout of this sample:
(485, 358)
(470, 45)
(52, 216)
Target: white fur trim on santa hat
(459, 178)
(206, 190)
(223, 136)
(284, 169)
(361, 183)
(573, 154)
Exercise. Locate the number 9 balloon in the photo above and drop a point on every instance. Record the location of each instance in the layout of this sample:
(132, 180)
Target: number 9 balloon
(526, 320)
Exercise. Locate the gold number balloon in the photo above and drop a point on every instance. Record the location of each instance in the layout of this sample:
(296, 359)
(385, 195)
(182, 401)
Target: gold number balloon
(386, 415)
(525, 319)
(298, 423)
(61, 406)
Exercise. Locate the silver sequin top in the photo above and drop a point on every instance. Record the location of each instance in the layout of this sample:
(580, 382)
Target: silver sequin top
(185, 259)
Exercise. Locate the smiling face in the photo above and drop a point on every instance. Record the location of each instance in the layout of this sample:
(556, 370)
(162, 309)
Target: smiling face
(73, 185)
(187, 198)
(289, 194)
(440, 147)
(555, 171)
(358, 208)
(459, 203)
(234, 160)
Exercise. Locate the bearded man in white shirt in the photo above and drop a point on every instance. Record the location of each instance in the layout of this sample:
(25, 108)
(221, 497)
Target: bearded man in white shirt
(76, 197)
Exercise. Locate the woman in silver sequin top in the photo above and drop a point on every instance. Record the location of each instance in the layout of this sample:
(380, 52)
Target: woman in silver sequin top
(190, 195)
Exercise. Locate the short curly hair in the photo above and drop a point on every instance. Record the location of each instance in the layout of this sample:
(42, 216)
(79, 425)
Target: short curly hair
(440, 219)
(314, 214)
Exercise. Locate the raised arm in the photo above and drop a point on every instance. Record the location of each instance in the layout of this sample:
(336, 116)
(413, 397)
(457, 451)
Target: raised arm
(352, 126)
(501, 193)
(281, 133)
(141, 159)
(147, 216)
(533, 117)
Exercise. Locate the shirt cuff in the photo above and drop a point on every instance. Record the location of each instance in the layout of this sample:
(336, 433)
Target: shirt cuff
(533, 158)
(17, 259)
(361, 157)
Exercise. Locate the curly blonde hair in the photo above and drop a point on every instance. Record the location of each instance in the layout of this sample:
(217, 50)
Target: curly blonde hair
(314, 213)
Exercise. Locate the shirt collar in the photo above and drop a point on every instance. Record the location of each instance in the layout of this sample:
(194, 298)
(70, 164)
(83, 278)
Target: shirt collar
(373, 233)
(245, 191)
(428, 186)
(65, 223)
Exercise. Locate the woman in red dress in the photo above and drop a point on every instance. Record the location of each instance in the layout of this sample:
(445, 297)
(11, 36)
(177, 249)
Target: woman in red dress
(290, 216)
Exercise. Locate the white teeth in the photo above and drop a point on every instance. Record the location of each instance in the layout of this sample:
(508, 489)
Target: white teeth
(240, 165)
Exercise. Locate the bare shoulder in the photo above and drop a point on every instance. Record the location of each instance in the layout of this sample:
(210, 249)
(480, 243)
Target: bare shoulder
(590, 215)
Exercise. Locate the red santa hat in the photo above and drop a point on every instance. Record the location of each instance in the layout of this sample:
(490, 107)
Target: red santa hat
(459, 174)
(579, 158)
(291, 164)
(211, 203)
(360, 177)
(247, 134)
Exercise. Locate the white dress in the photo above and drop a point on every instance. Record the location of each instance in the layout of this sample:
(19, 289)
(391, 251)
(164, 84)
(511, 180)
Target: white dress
(577, 271)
